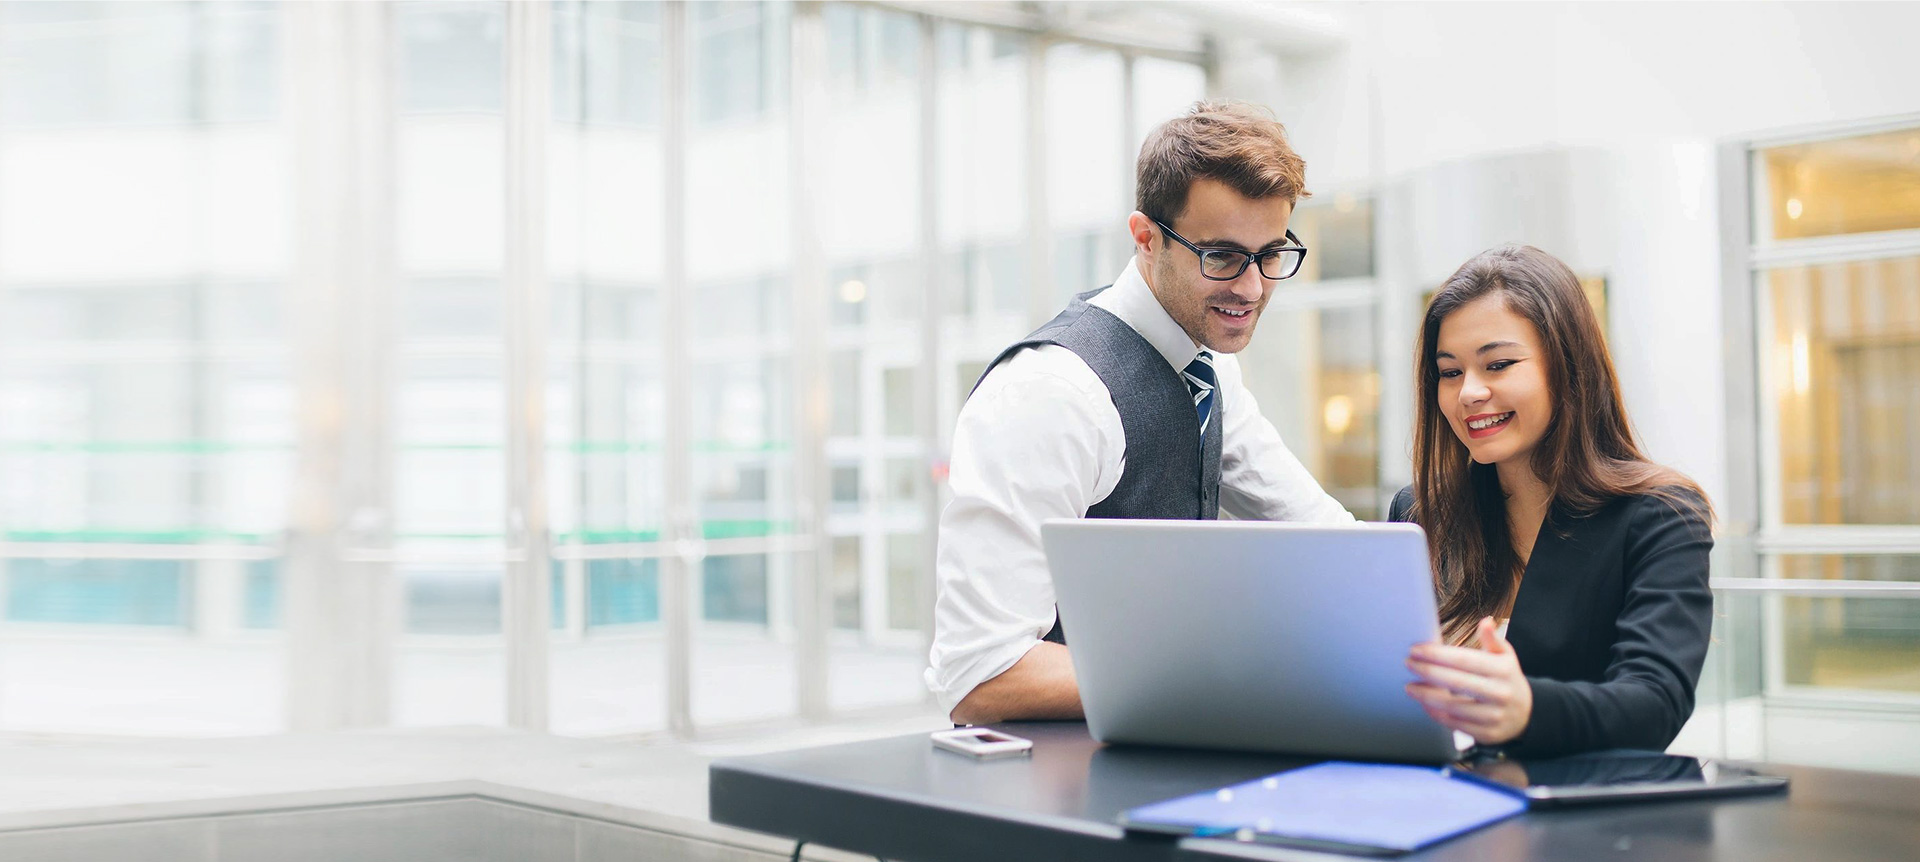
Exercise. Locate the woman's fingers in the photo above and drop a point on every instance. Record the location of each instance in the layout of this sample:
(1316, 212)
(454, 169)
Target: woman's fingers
(1458, 710)
(1469, 684)
(1490, 638)
(1461, 658)
(1481, 731)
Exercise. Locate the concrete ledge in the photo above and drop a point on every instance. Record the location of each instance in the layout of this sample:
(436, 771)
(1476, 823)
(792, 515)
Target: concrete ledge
(461, 795)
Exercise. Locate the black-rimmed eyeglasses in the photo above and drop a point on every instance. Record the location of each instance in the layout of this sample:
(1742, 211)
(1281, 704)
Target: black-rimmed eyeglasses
(1226, 264)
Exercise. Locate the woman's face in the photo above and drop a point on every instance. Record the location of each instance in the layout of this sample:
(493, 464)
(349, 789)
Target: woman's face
(1493, 380)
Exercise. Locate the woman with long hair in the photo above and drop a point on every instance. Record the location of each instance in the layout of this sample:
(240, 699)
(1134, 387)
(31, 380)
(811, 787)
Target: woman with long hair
(1571, 571)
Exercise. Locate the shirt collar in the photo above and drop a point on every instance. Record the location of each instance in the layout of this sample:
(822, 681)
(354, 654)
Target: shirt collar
(1131, 300)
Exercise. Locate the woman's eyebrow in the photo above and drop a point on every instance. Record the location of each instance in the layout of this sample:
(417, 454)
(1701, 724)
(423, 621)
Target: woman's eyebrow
(1491, 345)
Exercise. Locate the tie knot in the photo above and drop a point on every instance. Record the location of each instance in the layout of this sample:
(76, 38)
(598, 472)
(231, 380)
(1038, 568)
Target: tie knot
(1201, 369)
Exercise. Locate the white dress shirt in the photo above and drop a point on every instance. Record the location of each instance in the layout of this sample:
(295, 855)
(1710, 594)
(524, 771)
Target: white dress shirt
(1041, 438)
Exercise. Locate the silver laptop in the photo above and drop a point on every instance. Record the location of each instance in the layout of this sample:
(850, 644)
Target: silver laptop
(1249, 635)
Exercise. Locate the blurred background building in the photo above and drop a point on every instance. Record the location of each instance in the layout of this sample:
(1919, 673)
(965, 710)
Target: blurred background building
(589, 367)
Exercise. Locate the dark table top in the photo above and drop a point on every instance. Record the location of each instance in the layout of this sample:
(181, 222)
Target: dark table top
(901, 799)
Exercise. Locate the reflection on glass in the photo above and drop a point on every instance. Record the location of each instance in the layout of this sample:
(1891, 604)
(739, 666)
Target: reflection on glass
(899, 386)
(1087, 182)
(606, 406)
(981, 169)
(1851, 567)
(907, 582)
(1339, 233)
(1851, 185)
(1162, 90)
(743, 464)
(877, 286)
(903, 484)
(846, 582)
(1842, 364)
(449, 365)
(145, 392)
(622, 592)
(1313, 373)
(740, 672)
(737, 64)
(846, 487)
(1852, 643)
(734, 589)
(606, 68)
(739, 323)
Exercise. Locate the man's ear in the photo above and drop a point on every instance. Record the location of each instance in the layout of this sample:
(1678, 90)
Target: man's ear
(1141, 229)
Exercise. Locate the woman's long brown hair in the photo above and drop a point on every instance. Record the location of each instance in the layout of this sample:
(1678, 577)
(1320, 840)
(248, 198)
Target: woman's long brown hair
(1587, 457)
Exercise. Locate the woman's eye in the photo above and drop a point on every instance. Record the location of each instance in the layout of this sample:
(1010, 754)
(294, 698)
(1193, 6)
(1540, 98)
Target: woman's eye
(1500, 365)
(1449, 372)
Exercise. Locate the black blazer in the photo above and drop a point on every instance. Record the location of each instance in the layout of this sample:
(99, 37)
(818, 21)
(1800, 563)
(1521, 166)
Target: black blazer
(1610, 625)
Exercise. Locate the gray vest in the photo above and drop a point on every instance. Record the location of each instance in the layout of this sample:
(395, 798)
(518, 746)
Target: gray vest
(1169, 474)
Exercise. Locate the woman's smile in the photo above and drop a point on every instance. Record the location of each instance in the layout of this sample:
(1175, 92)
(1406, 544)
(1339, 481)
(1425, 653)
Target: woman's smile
(1481, 425)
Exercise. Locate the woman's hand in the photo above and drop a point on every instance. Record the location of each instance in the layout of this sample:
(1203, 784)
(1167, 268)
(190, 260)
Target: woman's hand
(1480, 692)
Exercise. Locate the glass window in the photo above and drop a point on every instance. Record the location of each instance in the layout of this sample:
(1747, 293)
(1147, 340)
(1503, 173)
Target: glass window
(877, 289)
(1842, 361)
(1851, 185)
(606, 405)
(452, 59)
(846, 582)
(1315, 374)
(1838, 378)
(1851, 642)
(1339, 236)
(907, 584)
(107, 63)
(449, 364)
(740, 672)
(622, 592)
(1088, 169)
(146, 397)
(606, 63)
(738, 58)
(1162, 90)
(981, 179)
(740, 318)
(1866, 644)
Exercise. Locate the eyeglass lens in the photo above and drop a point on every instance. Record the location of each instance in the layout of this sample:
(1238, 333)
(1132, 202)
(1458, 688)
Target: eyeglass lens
(1226, 265)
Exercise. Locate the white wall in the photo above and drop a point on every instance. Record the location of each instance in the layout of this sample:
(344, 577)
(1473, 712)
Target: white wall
(1435, 103)
(1457, 80)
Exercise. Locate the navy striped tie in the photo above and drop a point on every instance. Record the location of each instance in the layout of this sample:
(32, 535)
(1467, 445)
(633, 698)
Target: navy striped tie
(1200, 381)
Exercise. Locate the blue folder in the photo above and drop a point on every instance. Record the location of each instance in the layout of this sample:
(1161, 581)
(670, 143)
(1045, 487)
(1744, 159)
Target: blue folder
(1351, 807)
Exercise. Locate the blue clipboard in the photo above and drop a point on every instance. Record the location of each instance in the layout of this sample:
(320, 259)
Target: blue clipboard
(1371, 808)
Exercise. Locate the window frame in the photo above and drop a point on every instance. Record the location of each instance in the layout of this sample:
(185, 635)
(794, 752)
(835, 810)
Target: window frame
(1753, 535)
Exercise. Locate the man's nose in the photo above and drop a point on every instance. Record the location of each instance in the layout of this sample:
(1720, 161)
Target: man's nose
(1249, 287)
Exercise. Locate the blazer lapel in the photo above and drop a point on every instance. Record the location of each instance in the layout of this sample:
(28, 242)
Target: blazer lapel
(1535, 628)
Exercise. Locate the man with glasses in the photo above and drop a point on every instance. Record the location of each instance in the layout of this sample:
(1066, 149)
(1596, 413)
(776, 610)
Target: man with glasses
(1129, 404)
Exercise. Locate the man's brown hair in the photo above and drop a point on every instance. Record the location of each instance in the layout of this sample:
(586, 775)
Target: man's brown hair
(1236, 143)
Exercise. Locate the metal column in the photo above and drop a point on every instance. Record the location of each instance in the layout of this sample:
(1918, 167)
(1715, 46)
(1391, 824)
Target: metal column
(525, 610)
(679, 568)
(342, 605)
(813, 570)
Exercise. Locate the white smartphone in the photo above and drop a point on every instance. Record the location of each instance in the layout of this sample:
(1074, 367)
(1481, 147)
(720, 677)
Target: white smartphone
(982, 743)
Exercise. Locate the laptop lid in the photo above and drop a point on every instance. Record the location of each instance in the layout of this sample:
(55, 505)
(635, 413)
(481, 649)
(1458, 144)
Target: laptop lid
(1249, 635)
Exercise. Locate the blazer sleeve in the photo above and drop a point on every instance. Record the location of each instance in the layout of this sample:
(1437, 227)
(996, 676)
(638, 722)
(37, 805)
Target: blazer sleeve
(1401, 509)
(1660, 644)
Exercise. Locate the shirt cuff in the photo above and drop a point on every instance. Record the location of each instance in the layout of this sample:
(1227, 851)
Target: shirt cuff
(952, 683)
